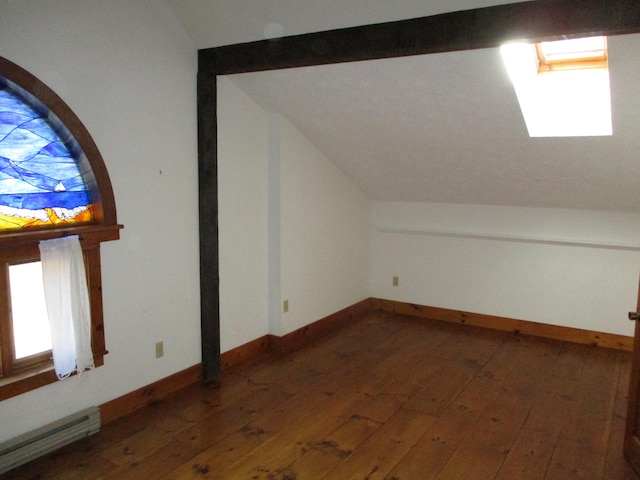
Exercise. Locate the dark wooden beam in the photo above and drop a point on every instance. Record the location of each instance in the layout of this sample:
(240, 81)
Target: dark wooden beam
(208, 216)
(464, 30)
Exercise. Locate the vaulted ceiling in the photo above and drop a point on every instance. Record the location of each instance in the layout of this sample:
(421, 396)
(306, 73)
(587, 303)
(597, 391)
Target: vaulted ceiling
(441, 127)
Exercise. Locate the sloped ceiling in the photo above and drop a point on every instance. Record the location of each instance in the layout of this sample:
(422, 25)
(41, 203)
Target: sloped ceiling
(448, 128)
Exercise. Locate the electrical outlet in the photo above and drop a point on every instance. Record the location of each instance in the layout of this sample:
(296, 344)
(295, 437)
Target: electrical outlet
(159, 349)
(285, 306)
(396, 281)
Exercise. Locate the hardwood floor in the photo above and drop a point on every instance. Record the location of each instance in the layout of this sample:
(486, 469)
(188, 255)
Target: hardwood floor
(389, 398)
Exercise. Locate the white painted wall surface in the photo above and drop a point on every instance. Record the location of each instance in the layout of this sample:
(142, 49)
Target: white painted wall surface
(298, 232)
(324, 234)
(242, 218)
(589, 287)
(128, 70)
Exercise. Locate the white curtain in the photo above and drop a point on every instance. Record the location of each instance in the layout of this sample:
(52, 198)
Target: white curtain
(67, 299)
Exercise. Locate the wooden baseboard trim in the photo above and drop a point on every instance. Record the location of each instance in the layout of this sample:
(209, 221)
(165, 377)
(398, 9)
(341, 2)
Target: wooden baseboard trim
(151, 393)
(314, 331)
(270, 344)
(246, 353)
(569, 334)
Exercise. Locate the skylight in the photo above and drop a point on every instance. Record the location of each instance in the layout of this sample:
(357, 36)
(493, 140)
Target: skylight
(562, 87)
(578, 53)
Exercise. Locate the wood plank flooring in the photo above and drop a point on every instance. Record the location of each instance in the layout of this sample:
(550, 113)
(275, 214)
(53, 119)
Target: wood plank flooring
(391, 397)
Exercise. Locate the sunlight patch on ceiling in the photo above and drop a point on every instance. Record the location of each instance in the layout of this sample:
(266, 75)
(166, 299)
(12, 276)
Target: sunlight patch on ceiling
(564, 96)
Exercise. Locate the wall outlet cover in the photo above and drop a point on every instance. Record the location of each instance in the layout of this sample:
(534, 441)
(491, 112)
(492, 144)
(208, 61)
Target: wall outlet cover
(159, 349)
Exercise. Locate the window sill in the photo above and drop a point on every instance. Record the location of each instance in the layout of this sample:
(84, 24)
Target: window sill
(87, 233)
(32, 379)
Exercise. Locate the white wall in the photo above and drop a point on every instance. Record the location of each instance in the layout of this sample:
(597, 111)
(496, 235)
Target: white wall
(242, 219)
(128, 70)
(298, 232)
(324, 234)
(564, 267)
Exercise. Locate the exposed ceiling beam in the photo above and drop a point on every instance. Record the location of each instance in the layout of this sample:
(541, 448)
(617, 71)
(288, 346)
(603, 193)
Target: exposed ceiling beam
(463, 30)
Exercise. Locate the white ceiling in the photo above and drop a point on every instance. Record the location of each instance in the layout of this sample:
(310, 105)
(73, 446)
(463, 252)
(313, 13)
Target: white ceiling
(212, 23)
(448, 128)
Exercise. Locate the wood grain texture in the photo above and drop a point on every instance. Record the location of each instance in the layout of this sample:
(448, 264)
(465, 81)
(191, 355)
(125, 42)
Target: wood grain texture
(269, 345)
(247, 353)
(238, 357)
(632, 431)
(303, 336)
(386, 397)
(150, 394)
(208, 224)
(576, 335)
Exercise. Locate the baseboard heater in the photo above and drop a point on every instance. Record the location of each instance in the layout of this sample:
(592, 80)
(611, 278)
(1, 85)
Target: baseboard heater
(31, 445)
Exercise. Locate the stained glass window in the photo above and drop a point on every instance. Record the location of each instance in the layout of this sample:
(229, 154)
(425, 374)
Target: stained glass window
(41, 181)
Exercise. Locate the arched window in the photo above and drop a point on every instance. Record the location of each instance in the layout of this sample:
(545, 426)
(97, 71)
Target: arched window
(53, 183)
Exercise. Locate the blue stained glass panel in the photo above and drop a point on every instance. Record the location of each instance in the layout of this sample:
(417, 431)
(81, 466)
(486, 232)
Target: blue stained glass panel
(39, 165)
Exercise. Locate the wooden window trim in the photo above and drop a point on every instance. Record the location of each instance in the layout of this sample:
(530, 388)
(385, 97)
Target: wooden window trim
(24, 245)
(546, 64)
(11, 366)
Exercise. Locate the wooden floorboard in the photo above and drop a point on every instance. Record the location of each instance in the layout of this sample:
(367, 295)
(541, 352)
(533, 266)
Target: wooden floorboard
(389, 398)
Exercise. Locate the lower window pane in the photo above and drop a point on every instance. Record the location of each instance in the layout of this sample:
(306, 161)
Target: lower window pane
(31, 333)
